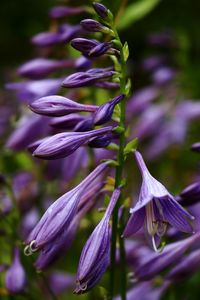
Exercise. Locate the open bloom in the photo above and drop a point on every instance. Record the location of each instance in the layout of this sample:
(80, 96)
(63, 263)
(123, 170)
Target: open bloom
(156, 208)
(95, 256)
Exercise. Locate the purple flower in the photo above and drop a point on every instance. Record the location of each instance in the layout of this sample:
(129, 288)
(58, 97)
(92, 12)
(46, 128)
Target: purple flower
(85, 125)
(64, 34)
(94, 26)
(57, 106)
(107, 85)
(87, 78)
(101, 10)
(104, 113)
(196, 147)
(41, 67)
(60, 214)
(84, 45)
(64, 144)
(60, 282)
(190, 195)
(83, 63)
(63, 241)
(163, 75)
(100, 49)
(66, 122)
(186, 267)
(21, 137)
(156, 208)
(28, 91)
(95, 255)
(101, 142)
(60, 11)
(157, 262)
(15, 279)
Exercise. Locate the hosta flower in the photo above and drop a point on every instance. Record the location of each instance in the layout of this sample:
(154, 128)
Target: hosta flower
(60, 214)
(156, 208)
(87, 78)
(60, 11)
(15, 279)
(66, 122)
(84, 45)
(94, 26)
(101, 10)
(63, 144)
(41, 67)
(59, 106)
(104, 112)
(95, 255)
(190, 195)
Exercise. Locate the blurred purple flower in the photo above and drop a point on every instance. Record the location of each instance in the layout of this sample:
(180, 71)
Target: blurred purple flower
(15, 279)
(60, 11)
(163, 75)
(60, 282)
(196, 147)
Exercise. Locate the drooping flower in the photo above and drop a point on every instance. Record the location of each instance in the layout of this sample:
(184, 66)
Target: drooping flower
(84, 45)
(156, 208)
(60, 214)
(63, 144)
(15, 279)
(190, 195)
(57, 106)
(95, 255)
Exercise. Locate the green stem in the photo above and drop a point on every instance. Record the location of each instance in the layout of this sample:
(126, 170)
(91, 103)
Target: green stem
(118, 181)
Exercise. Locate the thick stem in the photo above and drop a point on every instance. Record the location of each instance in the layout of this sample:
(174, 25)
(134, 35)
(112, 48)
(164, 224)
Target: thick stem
(118, 181)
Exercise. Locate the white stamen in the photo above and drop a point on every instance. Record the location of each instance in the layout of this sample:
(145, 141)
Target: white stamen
(158, 250)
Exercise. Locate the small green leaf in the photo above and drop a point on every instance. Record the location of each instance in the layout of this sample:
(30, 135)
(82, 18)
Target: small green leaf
(128, 87)
(125, 51)
(136, 11)
(131, 146)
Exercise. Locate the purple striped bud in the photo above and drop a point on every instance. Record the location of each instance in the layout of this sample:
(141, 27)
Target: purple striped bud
(59, 215)
(83, 63)
(100, 49)
(107, 85)
(196, 147)
(104, 113)
(84, 125)
(87, 78)
(56, 106)
(95, 255)
(156, 208)
(64, 34)
(94, 26)
(190, 195)
(60, 11)
(15, 279)
(101, 10)
(66, 122)
(84, 45)
(41, 67)
(64, 144)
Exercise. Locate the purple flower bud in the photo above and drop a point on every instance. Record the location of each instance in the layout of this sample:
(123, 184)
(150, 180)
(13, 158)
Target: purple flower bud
(156, 208)
(104, 113)
(101, 142)
(41, 67)
(57, 106)
(190, 195)
(58, 12)
(87, 78)
(60, 282)
(84, 125)
(94, 26)
(157, 262)
(107, 85)
(83, 63)
(196, 147)
(64, 34)
(95, 255)
(15, 279)
(163, 75)
(64, 144)
(66, 122)
(101, 10)
(186, 267)
(21, 137)
(60, 214)
(100, 49)
(28, 91)
(84, 45)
